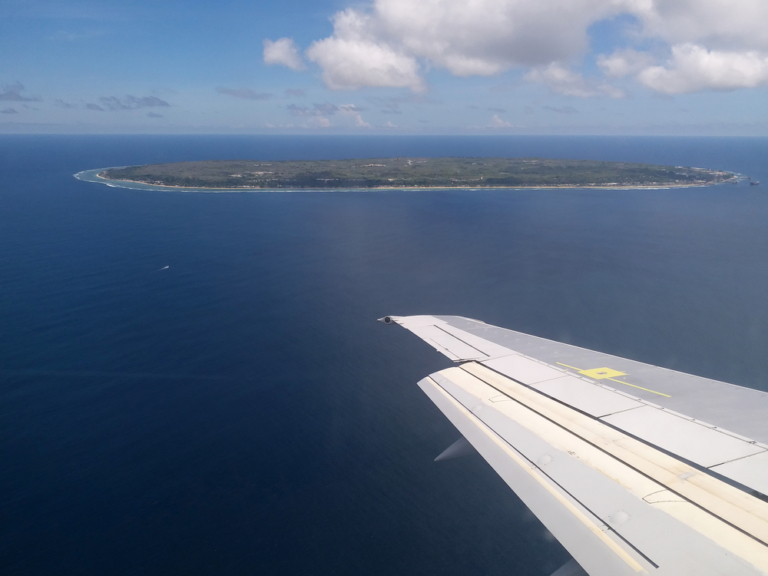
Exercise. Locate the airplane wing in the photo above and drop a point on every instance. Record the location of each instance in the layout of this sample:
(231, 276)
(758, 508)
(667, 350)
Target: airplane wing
(634, 468)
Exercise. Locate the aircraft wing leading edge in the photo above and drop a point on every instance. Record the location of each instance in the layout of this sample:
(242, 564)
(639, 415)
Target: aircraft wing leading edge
(633, 468)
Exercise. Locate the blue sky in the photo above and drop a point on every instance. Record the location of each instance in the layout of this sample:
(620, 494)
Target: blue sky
(695, 67)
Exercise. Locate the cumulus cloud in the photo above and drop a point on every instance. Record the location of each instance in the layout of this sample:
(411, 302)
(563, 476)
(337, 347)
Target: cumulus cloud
(350, 109)
(693, 68)
(244, 93)
(354, 112)
(360, 123)
(13, 93)
(713, 44)
(485, 37)
(624, 62)
(497, 122)
(355, 57)
(391, 43)
(719, 24)
(283, 52)
(383, 46)
(561, 80)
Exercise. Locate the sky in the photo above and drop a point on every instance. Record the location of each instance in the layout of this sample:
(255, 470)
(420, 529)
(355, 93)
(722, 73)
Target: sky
(627, 67)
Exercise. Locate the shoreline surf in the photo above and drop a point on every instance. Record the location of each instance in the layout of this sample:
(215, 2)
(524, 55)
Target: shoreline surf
(95, 176)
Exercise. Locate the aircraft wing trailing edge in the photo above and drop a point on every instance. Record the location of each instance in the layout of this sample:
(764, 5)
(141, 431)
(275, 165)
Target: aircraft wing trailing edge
(634, 468)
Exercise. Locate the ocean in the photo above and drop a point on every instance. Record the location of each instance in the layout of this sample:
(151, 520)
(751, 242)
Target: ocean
(195, 383)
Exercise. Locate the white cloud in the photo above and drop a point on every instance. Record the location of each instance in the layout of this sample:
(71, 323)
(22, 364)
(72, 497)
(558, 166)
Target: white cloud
(382, 47)
(354, 57)
(488, 36)
(284, 52)
(693, 68)
(719, 24)
(349, 109)
(624, 62)
(714, 44)
(392, 42)
(354, 112)
(561, 80)
(497, 122)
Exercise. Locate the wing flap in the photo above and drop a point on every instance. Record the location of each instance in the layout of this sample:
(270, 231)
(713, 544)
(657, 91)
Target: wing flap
(601, 492)
(566, 520)
(727, 502)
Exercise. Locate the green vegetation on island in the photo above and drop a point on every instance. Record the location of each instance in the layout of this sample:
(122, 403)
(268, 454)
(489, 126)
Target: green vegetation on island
(413, 173)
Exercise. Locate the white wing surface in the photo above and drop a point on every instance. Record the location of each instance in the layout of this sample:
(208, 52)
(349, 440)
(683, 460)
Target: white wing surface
(632, 467)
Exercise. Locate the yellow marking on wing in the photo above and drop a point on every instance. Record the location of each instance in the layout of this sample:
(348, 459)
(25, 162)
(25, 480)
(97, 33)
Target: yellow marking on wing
(572, 367)
(608, 374)
(640, 387)
(600, 373)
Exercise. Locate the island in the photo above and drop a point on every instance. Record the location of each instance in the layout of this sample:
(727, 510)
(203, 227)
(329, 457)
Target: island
(414, 173)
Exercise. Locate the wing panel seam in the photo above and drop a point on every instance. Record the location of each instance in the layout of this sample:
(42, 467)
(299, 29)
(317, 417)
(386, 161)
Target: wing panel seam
(582, 517)
(462, 341)
(645, 474)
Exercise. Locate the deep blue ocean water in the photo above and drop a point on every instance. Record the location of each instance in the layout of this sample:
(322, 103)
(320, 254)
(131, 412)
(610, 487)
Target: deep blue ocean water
(241, 412)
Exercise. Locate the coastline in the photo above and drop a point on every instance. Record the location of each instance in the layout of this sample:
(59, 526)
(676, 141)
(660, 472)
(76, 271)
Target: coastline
(161, 187)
